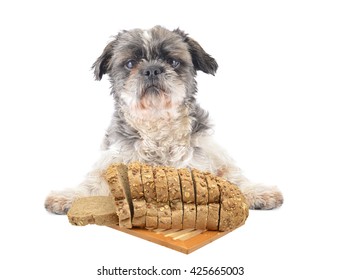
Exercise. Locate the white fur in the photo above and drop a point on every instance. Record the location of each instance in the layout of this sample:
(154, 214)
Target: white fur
(146, 39)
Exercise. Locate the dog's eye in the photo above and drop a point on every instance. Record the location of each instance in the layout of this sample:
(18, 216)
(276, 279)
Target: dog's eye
(130, 64)
(173, 62)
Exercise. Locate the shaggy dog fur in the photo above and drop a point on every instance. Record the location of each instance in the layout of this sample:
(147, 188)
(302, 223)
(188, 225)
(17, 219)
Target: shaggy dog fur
(156, 118)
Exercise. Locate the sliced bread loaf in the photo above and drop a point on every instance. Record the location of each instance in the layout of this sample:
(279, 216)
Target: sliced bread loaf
(163, 197)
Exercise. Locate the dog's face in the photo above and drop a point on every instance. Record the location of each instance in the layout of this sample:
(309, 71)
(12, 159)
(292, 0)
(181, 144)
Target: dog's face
(153, 69)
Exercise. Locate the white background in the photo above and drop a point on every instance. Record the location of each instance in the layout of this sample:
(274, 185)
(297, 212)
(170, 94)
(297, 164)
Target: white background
(274, 102)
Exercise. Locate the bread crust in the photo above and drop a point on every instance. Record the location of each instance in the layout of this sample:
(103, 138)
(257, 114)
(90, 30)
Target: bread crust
(234, 208)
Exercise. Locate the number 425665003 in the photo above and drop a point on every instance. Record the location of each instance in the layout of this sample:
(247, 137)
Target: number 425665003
(222, 270)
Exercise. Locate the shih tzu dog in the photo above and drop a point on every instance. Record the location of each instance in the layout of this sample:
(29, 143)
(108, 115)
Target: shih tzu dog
(156, 118)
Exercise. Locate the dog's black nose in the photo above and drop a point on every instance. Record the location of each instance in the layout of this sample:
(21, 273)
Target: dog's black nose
(152, 71)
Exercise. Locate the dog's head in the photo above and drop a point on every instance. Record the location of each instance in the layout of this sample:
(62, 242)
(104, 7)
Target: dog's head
(153, 69)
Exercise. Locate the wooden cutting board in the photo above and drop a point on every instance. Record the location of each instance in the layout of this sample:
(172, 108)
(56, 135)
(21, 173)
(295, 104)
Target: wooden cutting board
(86, 211)
(185, 241)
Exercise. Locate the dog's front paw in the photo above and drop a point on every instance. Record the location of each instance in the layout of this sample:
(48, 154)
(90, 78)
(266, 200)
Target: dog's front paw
(58, 203)
(268, 200)
(263, 198)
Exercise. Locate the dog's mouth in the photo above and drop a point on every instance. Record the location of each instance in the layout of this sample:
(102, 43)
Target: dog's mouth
(153, 96)
(152, 90)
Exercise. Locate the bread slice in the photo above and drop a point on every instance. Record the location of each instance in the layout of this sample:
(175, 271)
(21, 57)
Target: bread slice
(174, 186)
(161, 184)
(201, 198)
(188, 192)
(188, 196)
(213, 202)
(213, 189)
(176, 214)
(164, 216)
(148, 183)
(117, 178)
(139, 217)
(234, 208)
(151, 218)
(213, 216)
(98, 210)
(137, 194)
(162, 195)
(202, 216)
(201, 187)
(135, 180)
(175, 197)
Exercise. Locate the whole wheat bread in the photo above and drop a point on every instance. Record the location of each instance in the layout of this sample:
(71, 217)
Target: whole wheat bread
(98, 210)
(163, 197)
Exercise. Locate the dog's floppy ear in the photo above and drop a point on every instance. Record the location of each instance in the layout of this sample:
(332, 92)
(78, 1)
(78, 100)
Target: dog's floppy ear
(201, 60)
(102, 64)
